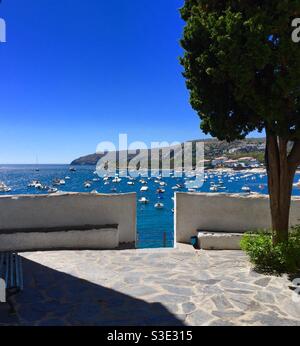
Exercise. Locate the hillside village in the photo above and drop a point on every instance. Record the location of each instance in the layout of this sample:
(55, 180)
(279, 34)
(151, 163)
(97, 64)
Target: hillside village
(238, 155)
(242, 154)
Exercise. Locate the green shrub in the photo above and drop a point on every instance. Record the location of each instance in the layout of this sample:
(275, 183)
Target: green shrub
(282, 258)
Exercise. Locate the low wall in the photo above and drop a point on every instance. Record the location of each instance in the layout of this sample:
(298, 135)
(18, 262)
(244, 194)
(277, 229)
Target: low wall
(224, 212)
(69, 210)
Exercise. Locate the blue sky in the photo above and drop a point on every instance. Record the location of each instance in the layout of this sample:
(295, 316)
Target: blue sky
(75, 73)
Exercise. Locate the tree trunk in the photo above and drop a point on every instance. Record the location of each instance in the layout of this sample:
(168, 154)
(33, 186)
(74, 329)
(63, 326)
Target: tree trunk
(281, 172)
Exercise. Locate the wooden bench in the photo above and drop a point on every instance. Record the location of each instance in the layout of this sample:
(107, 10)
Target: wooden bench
(11, 275)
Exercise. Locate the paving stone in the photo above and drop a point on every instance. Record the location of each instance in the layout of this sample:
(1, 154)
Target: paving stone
(188, 308)
(265, 297)
(264, 282)
(170, 298)
(199, 318)
(228, 313)
(221, 323)
(244, 302)
(179, 290)
(221, 302)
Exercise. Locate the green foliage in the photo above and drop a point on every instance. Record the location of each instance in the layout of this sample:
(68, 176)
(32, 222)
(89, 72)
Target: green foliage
(258, 155)
(282, 258)
(242, 67)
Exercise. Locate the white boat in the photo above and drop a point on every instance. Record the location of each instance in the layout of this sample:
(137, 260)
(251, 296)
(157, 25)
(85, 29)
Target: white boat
(4, 187)
(144, 200)
(39, 186)
(214, 189)
(67, 178)
(87, 185)
(52, 190)
(246, 189)
(159, 206)
(144, 189)
(117, 180)
(58, 182)
(95, 192)
(34, 183)
(130, 183)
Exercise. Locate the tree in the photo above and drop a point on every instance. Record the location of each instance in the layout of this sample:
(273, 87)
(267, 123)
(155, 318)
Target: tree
(243, 73)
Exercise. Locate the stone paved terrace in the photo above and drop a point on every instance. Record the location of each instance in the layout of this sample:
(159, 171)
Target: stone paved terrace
(149, 287)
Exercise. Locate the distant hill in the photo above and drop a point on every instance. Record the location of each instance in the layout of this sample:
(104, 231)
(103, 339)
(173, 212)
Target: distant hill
(213, 149)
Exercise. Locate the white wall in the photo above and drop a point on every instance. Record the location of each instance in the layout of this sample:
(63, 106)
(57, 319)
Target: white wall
(70, 209)
(223, 212)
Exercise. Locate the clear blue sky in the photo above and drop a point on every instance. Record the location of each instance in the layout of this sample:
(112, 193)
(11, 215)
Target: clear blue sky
(75, 73)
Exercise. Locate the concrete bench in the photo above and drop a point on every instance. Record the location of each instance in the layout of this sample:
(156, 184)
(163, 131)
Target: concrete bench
(86, 237)
(219, 240)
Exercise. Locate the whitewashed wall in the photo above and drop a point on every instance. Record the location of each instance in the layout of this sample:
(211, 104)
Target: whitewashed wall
(70, 209)
(223, 212)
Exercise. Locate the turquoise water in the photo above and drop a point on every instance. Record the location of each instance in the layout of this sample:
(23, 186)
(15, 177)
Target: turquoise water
(152, 223)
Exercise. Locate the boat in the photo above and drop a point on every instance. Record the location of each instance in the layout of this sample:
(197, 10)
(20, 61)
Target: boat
(72, 169)
(117, 180)
(130, 183)
(33, 183)
(52, 190)
(87, 184)
(144, 189)
(246, 189)
(58, 182)
(95, 192)
(4, 187)
(159, 206)
(144, 200)
(67, 178)
(36, 184)
(160, 191)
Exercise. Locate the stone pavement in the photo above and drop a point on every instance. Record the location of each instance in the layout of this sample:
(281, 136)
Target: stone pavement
(166, 287)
